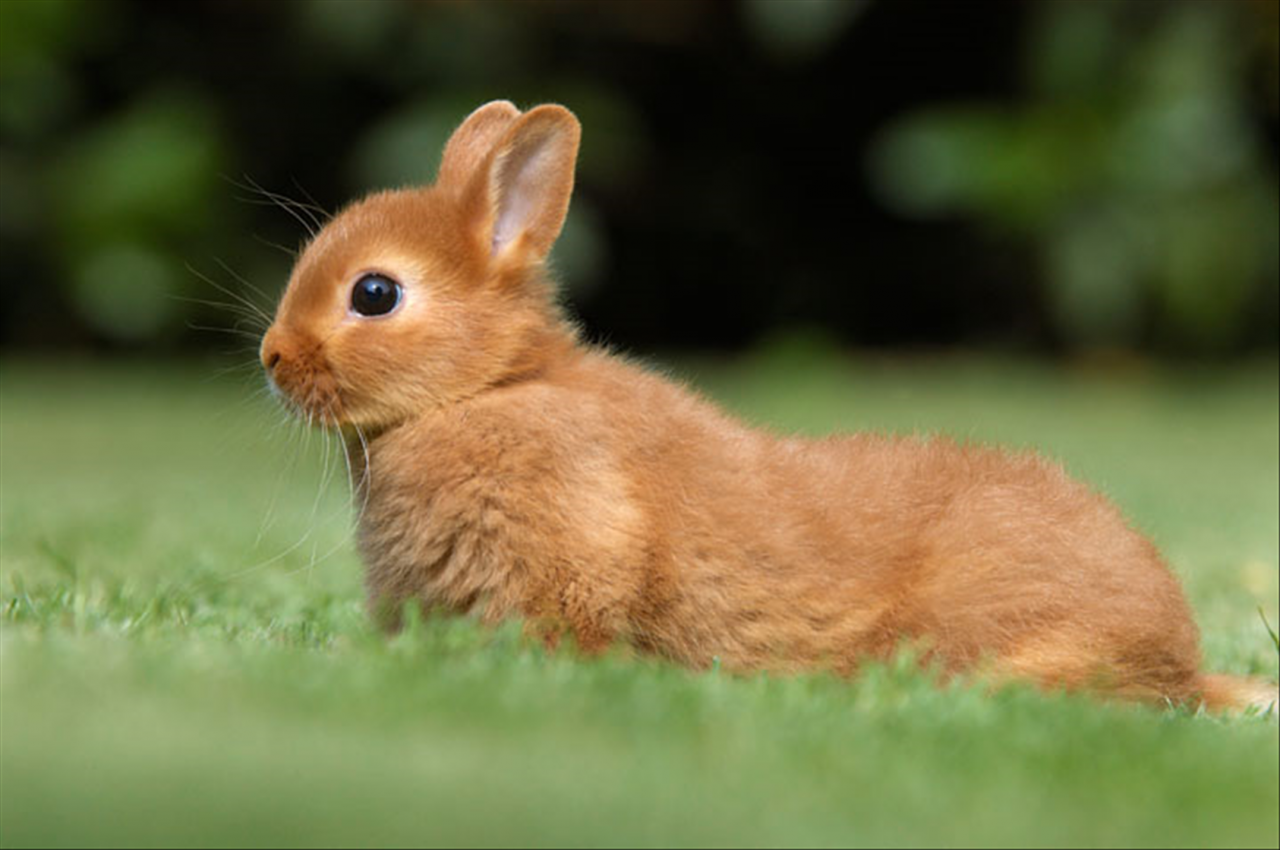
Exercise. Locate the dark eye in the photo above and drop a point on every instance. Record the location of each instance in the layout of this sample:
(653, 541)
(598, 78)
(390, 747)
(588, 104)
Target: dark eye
(375, 295)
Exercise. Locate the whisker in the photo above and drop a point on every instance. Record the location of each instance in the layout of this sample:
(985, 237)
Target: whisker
(240, 311)
(325, 478)
(315, 558)
(293, 213)
(307, 418)
(306, 223)
(365, 476)
(315, 205)
(304, 214)
(239, 298)
(261, 565)
(244, 281)
(268, 519)
(328, 554)
(291, 252)
(351, 474)
(246, 366)
(313, 208)
(324, 473)
(233, 331)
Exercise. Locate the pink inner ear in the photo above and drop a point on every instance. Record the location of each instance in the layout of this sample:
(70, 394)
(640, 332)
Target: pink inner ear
(522, 185)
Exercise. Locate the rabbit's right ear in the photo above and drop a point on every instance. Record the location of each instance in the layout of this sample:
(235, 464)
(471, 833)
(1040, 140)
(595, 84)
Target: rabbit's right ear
(471, 143)
(517, 200)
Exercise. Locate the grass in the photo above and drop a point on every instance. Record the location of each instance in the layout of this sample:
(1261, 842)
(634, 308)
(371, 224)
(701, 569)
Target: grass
(176, 668)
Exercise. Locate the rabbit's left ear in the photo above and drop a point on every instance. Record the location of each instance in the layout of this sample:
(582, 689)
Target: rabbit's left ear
(473, 140)
(519, 199)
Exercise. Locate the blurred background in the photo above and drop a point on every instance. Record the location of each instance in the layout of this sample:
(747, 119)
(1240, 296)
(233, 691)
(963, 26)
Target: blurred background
(1050, 177)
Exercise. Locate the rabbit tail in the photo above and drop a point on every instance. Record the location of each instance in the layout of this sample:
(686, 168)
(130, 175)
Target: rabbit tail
(1224, 693)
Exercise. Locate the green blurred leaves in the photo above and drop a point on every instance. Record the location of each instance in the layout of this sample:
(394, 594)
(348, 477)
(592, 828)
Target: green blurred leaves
(150, 168)
(403, 148)
(124, 291)
(1132, 168)
(132, 192)
(800, 29)
(36, 90)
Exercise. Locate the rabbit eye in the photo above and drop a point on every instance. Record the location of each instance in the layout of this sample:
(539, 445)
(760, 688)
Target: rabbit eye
(375, 295)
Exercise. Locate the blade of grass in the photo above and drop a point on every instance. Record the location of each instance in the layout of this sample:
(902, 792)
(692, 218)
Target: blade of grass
(1266, 625)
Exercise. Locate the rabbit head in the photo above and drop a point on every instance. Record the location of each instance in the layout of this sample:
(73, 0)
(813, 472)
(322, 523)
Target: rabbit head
(416, 298)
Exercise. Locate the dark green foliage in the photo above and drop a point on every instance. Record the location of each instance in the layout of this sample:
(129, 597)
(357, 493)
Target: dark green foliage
(1067, 175)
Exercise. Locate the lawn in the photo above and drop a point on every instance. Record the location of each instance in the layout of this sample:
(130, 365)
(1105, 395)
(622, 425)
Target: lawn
(185, 659)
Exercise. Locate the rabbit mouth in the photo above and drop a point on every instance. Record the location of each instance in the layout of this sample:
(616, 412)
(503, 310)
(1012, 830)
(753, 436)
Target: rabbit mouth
(314, 408)
(313, 397)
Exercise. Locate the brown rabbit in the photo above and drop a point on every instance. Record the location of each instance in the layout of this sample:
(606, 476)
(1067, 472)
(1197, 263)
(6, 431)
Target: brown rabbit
(509, 470)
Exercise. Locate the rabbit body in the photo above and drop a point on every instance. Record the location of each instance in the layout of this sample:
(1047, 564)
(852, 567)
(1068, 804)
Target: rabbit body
(604, 501)
(507, 470)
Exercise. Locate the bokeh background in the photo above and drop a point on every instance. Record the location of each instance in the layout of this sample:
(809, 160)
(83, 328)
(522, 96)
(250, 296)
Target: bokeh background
(1052, 177)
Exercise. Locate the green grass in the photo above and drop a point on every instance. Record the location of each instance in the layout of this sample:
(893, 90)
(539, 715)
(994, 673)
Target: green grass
(177, 668)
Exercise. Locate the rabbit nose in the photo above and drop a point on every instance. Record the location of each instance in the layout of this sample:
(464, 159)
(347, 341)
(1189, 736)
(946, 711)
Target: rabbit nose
(270, 353)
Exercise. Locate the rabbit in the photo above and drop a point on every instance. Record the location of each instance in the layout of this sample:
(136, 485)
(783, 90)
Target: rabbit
(509, 470)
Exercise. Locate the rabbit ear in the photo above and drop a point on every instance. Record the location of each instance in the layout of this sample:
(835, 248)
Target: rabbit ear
(523, 195)
(473, 140)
